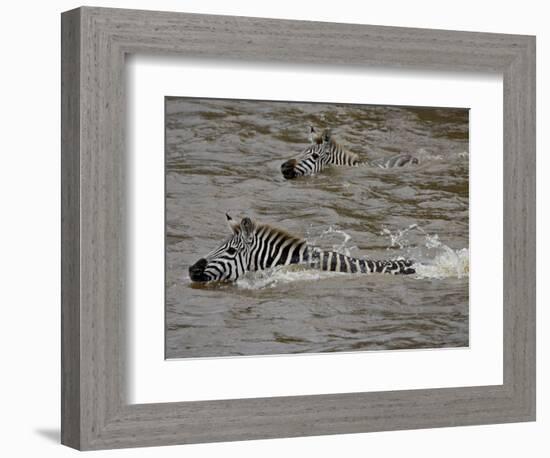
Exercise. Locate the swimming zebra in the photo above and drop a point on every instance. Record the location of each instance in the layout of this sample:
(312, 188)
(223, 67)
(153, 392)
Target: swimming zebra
(254, 246)
(325, 151)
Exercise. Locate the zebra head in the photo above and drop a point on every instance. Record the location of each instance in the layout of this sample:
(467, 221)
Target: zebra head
(313, 159)
(231, 259)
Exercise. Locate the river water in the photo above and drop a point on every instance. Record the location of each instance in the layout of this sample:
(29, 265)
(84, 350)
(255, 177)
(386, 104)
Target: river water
(225, 156)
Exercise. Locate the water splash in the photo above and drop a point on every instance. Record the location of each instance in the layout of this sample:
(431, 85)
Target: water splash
(434, 259)
(338, 246)
(282, 275)
(399, 239)
(449, 264)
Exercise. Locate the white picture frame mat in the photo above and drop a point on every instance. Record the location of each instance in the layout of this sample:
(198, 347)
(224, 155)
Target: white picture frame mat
(152, 379)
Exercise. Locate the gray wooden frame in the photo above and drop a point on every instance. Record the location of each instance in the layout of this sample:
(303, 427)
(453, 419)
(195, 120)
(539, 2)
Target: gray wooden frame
(95, 412)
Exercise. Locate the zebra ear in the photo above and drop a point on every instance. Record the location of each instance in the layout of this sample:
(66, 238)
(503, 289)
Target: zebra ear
(327, 135)
(247, 227)
(314, 136)
(233, 225)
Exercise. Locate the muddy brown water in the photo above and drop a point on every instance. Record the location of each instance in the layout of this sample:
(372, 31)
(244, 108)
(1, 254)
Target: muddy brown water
(225, 156)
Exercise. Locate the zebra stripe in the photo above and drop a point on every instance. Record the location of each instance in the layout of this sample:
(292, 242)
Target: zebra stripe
(256, 246)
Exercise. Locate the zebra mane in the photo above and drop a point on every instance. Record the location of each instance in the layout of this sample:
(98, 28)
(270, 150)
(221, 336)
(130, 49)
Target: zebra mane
(267, 228)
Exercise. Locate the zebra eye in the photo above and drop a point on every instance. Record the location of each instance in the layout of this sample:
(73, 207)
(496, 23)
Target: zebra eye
(231, 251)
(315, 156)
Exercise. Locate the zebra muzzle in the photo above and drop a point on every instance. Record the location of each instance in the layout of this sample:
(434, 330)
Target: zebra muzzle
(196, 271)
(288, 169)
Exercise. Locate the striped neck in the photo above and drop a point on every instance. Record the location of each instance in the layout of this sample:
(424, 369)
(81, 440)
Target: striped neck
(272, 247)
(336, 154)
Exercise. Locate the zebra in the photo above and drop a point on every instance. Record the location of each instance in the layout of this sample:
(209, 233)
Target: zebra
(255, 246)
(325, 151)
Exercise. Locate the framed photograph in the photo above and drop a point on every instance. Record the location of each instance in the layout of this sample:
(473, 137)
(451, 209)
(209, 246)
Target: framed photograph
(277, 228)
